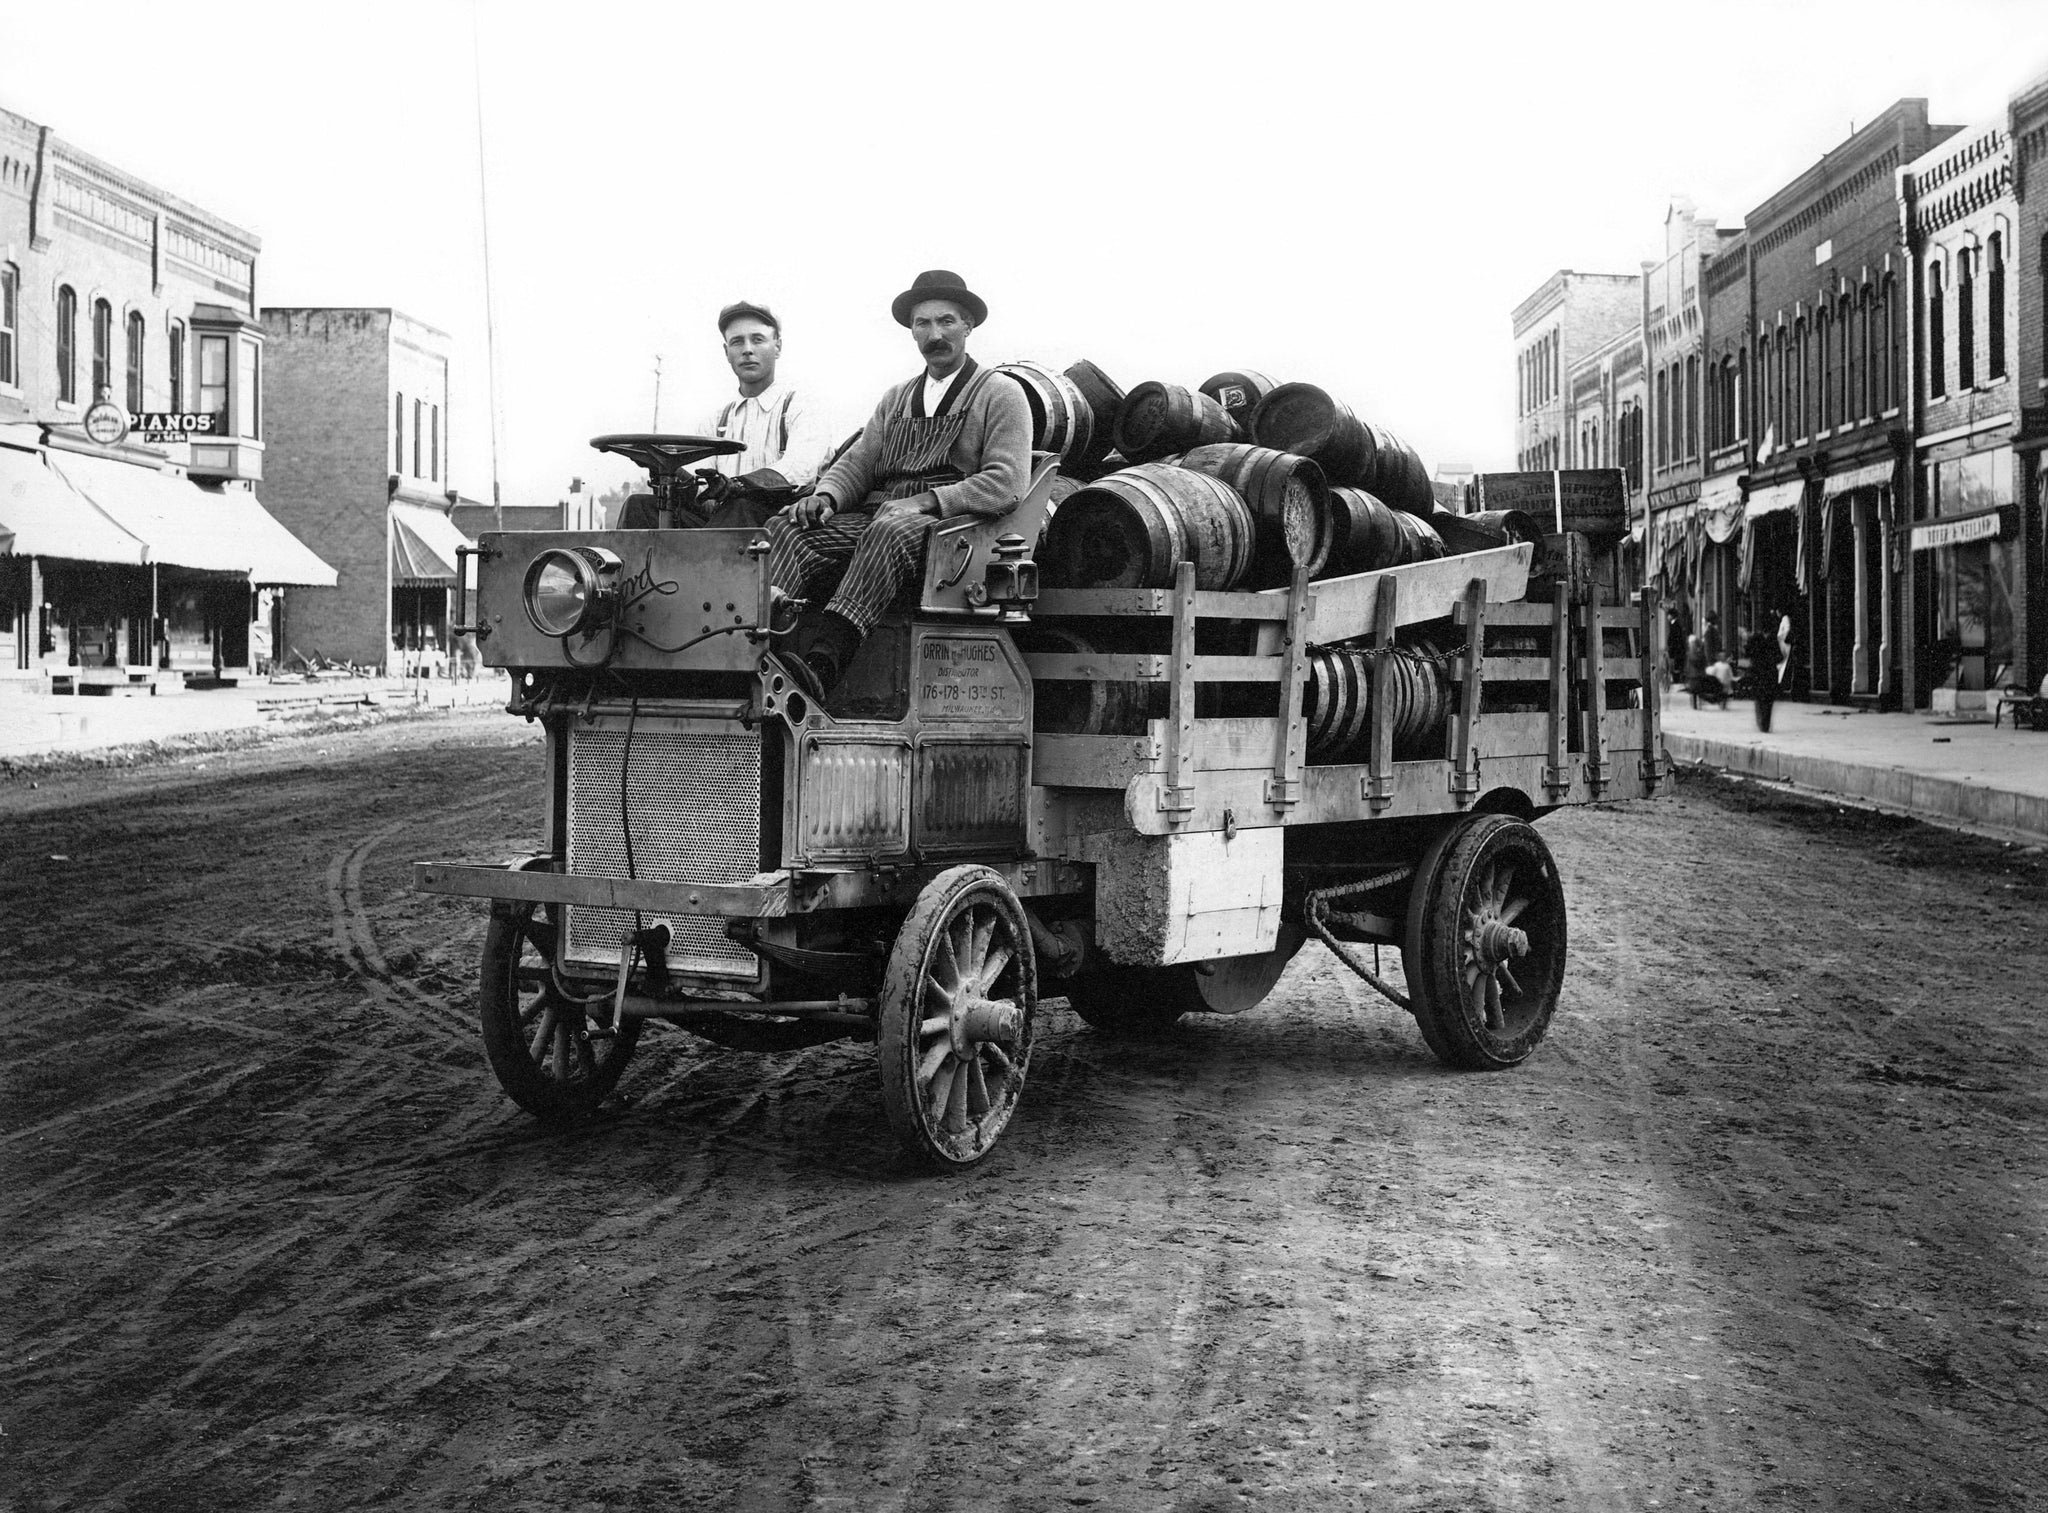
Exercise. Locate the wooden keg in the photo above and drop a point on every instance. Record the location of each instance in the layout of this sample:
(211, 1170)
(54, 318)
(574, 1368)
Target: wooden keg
(1398, 475)
(1363, 534)
(1160, 419)
(1419, 540)
(1309, 422)
(1131, 529)
(1105, 402)
(1239, 392)
(1289, 501)
(1062, 706)
(1061, 421)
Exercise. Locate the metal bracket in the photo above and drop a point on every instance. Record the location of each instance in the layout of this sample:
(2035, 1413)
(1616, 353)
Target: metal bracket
(1176, 800)
(1281, 792)
(1465, 784)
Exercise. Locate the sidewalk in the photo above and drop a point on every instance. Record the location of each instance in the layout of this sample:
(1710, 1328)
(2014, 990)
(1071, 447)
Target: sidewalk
(34, 724)
(1942, 768)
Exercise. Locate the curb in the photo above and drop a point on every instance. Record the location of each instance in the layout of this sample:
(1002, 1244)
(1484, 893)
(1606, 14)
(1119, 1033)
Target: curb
(1937, 799)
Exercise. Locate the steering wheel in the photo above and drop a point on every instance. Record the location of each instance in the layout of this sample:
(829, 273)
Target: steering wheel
(666, 456)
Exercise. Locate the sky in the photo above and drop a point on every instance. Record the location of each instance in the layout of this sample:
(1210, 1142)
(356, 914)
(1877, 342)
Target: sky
(1356, 196)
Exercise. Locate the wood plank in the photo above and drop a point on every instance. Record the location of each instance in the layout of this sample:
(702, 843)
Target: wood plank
(1216, 604)
(1103, 601)
(1386, 609)
(1240, 669)
(1464, 762)
(1505, 735)
(1653, 712)
(1290, 734)
(1560, 773)
(1593, 699)
(1347, 607)
(1091, 761)
(1097, 667)
(1180, 713)
(1237, 741)
(1514, 669)
(1525, 615)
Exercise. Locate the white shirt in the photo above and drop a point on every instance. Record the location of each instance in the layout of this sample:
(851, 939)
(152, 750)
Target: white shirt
(935, 390)
(755, 422)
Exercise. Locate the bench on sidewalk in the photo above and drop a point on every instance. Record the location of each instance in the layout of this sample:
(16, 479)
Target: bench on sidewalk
(2031, 707)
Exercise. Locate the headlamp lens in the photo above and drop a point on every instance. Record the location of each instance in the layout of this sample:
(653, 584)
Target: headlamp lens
(561, 593)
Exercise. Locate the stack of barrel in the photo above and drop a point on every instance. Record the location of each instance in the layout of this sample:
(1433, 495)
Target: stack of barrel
(1339, 704)
(1248, 479)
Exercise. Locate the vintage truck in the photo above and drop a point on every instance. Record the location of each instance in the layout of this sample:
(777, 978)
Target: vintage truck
(1143, 799)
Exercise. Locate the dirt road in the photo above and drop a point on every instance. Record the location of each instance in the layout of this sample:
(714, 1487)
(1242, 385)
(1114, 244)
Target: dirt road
(1760, 1226)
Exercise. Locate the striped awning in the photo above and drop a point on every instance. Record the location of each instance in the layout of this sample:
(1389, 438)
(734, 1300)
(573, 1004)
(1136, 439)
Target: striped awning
(1779, 496)
(184, 525)
(41, 515)
(423, 544)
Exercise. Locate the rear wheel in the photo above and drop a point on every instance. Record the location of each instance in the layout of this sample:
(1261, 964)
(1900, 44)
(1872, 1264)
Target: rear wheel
(959, 1014)
(1485, 947)
(546, 1052)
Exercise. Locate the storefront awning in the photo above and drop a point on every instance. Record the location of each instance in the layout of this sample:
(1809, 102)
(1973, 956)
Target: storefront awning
(43, 516)
(423, 544)
(1719, 492)
(184, 525)
(1869, 475)
(1779, 496)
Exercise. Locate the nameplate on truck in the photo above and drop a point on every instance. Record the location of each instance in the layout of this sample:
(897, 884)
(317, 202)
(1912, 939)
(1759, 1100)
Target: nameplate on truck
(968, 678)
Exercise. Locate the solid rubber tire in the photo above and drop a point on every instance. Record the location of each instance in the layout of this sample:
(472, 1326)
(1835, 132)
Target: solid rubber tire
(505, 1043)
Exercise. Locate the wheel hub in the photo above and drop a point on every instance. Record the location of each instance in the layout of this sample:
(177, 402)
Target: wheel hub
(978, 1020)
(1499, 943)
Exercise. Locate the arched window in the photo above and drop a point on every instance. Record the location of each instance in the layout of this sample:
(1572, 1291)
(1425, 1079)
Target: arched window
(177, 355)
(1692, 407)
(1660, 448)
(398, 434)
(67, 346)
(1795, 381)
(1824, 339)
(1994, 314)
(1857, 405)
(1742, 388)
(434, 449)
(102, 348)
(135, 362)
(10, 315)
(1966, 318)
(1885, 327)
(1937, 336)
(417, 407)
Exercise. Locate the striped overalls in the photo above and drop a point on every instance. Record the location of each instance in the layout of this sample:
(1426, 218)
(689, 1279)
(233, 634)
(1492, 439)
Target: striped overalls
(877, 556)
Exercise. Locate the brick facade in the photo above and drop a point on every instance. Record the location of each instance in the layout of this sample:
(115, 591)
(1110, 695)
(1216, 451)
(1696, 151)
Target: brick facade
(345, 387)
(1570, 316)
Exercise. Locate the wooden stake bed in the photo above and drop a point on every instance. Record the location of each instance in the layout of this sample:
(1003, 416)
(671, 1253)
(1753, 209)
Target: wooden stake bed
(1561, 741)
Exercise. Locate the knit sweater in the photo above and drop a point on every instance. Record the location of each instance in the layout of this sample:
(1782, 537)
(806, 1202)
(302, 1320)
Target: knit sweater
(993, 451)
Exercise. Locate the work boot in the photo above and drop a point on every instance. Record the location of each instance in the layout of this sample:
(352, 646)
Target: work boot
(829, 647)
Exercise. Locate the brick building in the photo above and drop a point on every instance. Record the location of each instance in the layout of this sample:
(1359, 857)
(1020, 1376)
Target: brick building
(1605, 398)
(358, 466)
(1570, 316)
(1674, 328)
(1966, 571)
(2027, 289)
(125, 564)
(1697, 559)
(1830, 308)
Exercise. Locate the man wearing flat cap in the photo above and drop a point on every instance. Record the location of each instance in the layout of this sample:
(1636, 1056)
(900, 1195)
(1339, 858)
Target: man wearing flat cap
(783, 432)
(948, 442)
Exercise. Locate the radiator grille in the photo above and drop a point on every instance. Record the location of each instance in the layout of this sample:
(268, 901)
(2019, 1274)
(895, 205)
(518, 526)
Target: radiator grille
(695, 804)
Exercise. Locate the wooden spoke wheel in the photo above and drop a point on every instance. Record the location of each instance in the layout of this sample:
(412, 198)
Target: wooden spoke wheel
(1485, 947)
(547, 1053)
(959, 1013)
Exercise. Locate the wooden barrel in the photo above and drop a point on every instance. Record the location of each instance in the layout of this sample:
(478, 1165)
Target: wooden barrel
(1239, 392)
(1061, 706)
(1159, 419)
(1309, 422)
(1419, 540)
(1397, 474)
(1131, 529)
(1363, 534)
(1105, 402)
(1289, 501)
(1061, 421)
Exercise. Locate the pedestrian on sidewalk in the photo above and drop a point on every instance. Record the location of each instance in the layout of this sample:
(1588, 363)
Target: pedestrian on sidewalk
(1762, 650)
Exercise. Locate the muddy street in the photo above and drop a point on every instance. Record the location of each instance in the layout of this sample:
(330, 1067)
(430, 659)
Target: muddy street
(1761, 1225)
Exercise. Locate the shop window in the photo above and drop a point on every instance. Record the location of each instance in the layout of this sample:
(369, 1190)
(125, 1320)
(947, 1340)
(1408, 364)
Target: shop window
(213, 378)
(1966, 319)
(398, 435)
(67, 346)
(10, 299)
(1937, 336)
(135, 362)
(177, 340)
(1994, 314)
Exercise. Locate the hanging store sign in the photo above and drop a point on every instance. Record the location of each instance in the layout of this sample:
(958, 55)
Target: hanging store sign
(1592, 500)
(1989, 525)
(160, 426)
(106, 423)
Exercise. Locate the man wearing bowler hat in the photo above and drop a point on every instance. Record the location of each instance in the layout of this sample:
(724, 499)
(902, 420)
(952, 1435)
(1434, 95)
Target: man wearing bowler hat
(948, 442)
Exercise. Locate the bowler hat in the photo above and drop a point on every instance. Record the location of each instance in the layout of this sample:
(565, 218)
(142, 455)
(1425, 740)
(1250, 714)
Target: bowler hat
(938, 284)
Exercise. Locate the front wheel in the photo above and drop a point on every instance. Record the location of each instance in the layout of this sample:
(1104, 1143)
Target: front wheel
(958, 1017)
(547, 1055)
(1485, 947)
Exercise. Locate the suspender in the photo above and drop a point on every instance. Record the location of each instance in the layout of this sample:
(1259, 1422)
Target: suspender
(971, 378)
(725, 417)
